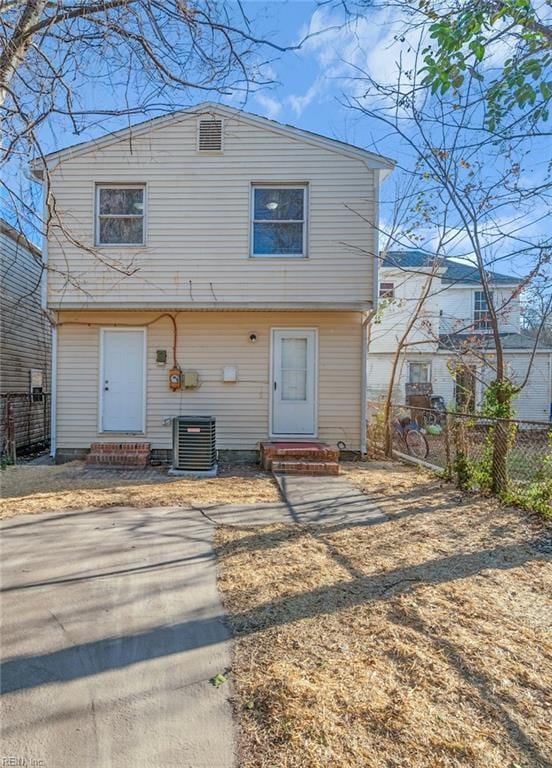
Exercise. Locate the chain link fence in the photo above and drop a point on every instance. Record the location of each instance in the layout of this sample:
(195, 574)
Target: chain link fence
(471, 448)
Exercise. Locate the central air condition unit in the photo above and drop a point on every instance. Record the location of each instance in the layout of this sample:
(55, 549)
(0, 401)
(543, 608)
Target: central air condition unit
(194, 446)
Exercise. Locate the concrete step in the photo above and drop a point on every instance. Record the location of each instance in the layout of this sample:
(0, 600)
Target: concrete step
(304, 467)
(119, 455)
(296, 451)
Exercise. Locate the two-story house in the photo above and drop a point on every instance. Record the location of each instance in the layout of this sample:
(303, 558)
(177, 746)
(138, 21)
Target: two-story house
(211, 262)
(450, 345)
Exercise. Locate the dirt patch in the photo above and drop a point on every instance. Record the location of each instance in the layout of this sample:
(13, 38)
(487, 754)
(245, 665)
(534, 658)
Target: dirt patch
(30, 489)
(422, 641)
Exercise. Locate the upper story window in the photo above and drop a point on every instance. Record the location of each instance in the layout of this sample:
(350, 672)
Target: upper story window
(120, 214)
(419, 373)
(481, 318)
(387, 290)
(278, 225)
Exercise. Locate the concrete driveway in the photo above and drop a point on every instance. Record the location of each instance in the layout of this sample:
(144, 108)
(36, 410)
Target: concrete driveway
(112, 629)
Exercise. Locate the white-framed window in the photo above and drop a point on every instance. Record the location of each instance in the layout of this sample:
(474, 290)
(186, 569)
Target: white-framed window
(419, 372)
(279, 220)
(481, 311)
(120, 214)
(387, 290)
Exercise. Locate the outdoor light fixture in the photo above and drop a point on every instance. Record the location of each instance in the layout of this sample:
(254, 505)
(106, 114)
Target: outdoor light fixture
(253, 338)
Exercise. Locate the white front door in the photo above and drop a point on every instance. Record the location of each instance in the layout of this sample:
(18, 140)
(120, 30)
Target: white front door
(294, 382)
(122, 380)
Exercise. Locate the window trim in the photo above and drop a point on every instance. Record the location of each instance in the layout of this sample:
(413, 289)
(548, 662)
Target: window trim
(478, 325)
(419, 362)
(115, 185)
(304, 221)
(392, 289)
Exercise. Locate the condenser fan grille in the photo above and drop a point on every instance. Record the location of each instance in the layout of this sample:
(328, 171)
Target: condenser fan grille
(194, 443)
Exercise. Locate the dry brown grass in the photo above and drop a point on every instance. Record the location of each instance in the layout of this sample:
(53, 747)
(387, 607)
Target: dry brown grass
(29, 489)
(422, 642)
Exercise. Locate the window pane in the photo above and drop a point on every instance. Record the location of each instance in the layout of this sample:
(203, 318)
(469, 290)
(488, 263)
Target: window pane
(274, 203)
(294, 354)
(387, 290)
(294, 369)
(419, 373)
(294, 385)
(121, 230)
(278, 238)
(122, 201)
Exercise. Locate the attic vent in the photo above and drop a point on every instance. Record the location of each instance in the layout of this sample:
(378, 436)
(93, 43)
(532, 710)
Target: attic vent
(210, 135)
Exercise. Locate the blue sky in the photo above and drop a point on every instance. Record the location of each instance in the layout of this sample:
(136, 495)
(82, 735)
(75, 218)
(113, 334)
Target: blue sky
(310, 85)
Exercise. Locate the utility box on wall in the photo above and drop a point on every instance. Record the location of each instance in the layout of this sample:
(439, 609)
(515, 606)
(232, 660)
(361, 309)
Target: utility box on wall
(230, 373)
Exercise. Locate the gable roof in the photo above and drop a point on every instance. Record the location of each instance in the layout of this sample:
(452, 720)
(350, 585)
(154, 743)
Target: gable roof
(372, 160)
(453, 271)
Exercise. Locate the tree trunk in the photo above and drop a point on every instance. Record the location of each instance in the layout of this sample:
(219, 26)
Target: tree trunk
(16, 47)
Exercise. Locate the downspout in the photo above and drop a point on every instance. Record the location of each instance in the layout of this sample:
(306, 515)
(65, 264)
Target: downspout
(53, 394)
(369, 316)
(363, 383)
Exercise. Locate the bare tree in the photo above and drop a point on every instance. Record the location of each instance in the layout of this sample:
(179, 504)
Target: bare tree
(491, 211)
(85, 66)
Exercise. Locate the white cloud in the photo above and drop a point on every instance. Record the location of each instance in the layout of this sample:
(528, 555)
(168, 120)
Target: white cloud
(348, 50)
(271, 107)
(300, 103)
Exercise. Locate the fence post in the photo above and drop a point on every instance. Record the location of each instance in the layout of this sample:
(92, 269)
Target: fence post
(448, 456)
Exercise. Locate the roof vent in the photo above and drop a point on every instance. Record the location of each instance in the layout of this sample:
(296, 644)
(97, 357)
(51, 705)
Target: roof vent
(210, 134)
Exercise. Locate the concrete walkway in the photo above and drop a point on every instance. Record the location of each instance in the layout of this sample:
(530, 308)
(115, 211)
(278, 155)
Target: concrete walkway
(332, 500)
(112, 629)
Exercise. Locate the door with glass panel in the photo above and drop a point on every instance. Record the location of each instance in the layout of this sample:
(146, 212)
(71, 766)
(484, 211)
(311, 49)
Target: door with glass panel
(294, 382)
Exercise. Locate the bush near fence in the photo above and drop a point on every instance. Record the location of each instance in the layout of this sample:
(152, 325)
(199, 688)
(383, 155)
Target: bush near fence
(461, 444)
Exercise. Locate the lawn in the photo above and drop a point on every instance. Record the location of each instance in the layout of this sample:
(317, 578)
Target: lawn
(420, 642)
(27, 488)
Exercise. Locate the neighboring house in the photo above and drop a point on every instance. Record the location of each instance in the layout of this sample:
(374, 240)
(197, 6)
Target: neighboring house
(455, 312)
(228, 246)
(24, 345)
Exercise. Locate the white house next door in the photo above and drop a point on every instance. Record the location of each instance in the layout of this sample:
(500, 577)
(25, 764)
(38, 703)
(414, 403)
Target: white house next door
(294, 382)
(122, 380)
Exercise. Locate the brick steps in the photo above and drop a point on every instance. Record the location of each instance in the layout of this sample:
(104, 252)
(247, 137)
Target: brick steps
(119, 455)
(305, 467)
(300, 458)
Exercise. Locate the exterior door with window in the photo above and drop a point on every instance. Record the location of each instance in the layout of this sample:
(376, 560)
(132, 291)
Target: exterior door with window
(294, 383)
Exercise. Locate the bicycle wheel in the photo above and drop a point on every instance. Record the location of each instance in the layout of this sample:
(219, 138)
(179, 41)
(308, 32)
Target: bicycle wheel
(416, 444)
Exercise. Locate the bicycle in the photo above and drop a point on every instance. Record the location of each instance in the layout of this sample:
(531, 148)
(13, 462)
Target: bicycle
(411, 436)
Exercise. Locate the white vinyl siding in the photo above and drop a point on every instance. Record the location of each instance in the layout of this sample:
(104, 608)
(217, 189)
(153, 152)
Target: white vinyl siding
(197, 248)
(532, 403)
(207, 342)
